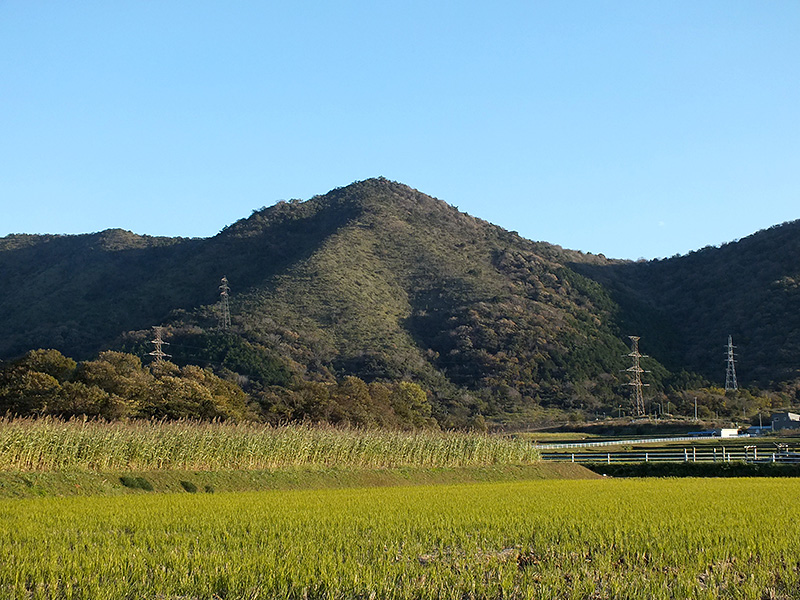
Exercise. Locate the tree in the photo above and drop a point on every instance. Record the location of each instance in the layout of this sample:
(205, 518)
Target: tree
(353, 403)
(51, 362)
(410, 403)
(80, 399)
(25, 392)
(120, 375)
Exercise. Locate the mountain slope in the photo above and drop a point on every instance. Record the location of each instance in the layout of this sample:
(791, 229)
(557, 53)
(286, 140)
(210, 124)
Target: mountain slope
(410, 287)
(375, 279)
(688, 305)
(78, 293)
(381, 281)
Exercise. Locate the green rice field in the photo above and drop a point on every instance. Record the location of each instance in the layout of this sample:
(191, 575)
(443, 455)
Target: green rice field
(590, 539)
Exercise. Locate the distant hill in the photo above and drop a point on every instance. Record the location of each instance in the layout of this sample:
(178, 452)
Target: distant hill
(688, 305)
(380, 281)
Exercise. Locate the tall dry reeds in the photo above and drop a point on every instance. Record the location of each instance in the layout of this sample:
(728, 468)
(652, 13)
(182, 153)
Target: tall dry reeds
(50, 444)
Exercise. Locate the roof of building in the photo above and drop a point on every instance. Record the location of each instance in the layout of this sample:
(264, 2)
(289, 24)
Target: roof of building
(787, 415)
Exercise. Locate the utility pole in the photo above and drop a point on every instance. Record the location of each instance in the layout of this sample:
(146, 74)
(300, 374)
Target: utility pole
(224, 305)
(730, 373)
(158, 354)
(636, 371)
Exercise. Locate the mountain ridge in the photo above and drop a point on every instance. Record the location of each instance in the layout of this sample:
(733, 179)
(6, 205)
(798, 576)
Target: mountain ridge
(379, 280)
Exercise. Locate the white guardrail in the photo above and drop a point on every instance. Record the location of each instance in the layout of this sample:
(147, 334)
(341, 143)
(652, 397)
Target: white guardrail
(688, 438)
(748, 455)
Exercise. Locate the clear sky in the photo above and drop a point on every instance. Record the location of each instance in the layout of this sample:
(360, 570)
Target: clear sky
(635, 129)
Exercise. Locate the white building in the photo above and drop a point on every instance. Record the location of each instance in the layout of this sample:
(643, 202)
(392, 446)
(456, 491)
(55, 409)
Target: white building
(726, 433)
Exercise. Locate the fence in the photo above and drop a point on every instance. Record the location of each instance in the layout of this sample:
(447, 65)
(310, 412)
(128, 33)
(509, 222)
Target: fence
(567, 445)
(748, 454)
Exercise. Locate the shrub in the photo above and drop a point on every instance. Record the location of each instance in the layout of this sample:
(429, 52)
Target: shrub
(189, 487)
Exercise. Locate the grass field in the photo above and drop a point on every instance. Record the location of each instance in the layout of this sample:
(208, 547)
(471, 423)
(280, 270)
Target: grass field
(88, 483)
(596, 539)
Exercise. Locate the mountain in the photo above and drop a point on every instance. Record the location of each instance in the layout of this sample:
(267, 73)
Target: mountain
(381, 281)
(687, 306)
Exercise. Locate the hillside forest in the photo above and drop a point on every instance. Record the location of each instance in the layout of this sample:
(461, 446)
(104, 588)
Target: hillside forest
(376, 305)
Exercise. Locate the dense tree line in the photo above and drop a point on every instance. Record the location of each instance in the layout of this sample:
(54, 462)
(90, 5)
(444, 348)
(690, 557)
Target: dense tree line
(117, 385)
(742, 405)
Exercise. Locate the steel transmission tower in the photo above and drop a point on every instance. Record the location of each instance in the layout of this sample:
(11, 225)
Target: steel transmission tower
(730, 373)
(158, 353)
(224, 305)
(636, 377)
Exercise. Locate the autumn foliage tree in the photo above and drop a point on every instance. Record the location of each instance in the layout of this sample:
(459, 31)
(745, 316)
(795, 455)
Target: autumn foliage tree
(117, 385)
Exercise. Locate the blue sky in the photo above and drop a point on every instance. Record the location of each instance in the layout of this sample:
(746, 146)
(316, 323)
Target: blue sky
(633, 129)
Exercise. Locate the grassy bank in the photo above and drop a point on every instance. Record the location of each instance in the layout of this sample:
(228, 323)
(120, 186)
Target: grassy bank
(82, 483)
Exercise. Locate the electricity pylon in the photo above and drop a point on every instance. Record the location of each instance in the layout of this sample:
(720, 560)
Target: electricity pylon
(730, 373)
(637, 400)
(224, 306)
(158, 353)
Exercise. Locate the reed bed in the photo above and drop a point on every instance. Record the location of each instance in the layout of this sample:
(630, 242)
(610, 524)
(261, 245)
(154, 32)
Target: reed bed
(48, 444)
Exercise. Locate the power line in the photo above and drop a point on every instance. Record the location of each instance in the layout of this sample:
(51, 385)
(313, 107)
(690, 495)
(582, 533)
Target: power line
(224, 305)
(158, 354)
(637, 400)
(730, 372)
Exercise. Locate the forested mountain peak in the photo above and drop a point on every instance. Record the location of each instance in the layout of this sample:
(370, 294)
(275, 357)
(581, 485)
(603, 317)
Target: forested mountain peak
(377, 196)
(381, 281)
